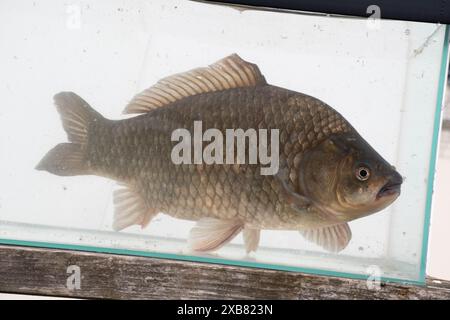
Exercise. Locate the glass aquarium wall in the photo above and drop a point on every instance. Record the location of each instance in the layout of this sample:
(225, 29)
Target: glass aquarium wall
(356, 105)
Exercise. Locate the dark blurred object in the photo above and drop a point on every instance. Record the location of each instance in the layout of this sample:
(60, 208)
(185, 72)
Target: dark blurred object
(444, 150)
(446, 112)
(436, 11)
(446, 124)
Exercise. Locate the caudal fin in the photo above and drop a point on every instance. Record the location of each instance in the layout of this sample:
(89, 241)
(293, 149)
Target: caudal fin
(76, 116)
(66, 159)
(69, 159)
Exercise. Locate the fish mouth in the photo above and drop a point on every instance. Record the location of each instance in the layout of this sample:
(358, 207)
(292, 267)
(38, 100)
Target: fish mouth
(389, 189)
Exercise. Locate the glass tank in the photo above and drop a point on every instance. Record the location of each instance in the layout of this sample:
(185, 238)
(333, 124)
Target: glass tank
(200, 132)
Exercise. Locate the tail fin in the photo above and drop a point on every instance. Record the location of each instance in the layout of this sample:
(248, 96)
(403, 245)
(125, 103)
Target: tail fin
(76, 115)
(68, 159)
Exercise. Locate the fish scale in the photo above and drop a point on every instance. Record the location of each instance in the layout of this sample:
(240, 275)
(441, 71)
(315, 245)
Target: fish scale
(133, 147)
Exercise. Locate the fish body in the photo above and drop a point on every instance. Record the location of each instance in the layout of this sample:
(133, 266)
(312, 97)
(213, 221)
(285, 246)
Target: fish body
(316, 189)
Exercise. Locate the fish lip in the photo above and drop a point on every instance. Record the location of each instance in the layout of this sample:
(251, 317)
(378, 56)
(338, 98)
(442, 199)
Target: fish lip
(389, 189)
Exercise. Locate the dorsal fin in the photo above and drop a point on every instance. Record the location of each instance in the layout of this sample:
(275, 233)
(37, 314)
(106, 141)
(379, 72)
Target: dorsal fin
(227, 73)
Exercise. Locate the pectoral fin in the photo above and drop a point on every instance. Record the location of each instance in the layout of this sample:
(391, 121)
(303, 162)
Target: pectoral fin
(210, 234)
(295, 200)
(251, 239)
(332, 238)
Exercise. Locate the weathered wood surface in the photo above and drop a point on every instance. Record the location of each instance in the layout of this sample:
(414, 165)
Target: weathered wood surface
(44, 271)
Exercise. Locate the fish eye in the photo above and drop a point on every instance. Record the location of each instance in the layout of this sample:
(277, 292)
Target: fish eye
(362, 173)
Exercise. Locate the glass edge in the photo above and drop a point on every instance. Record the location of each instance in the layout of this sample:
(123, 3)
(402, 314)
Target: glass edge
(199, 259)
(434, 149)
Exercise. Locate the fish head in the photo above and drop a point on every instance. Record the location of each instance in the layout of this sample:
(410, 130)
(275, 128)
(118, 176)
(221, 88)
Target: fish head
(345, 176)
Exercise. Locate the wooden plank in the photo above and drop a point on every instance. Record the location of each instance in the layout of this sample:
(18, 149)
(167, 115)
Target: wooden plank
(44, 272)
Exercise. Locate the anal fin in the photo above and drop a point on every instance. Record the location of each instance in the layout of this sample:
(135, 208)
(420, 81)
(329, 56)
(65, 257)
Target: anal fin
(210, 234)
(333, 238)
(130, 209)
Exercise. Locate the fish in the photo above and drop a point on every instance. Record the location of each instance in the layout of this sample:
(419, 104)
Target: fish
(328, 174)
